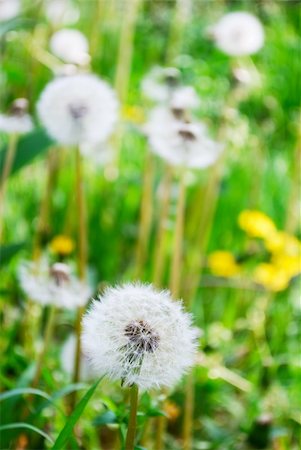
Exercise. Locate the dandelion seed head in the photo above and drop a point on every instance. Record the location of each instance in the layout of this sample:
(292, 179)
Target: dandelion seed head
(79, 109)
(53, 284)
(159, 83)
(178, 142)
(9, 9)
(238, 33)
(137, 334)
(67, 358)
(71, 46)
(61, 12)
(17, 120)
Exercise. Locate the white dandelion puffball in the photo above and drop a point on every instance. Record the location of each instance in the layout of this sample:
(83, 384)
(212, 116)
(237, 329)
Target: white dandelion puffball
(9, 9)
(180, 143)
(184, 98)
(238, 34)
(67, 358)
(61, 12)
(139, 335)
(53, 285)
(17, 121)
(71, 46)
(99, 154)
(159, 84)
(78, 109)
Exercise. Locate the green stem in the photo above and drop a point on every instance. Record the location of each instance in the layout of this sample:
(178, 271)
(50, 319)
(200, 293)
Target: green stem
(46, 344)
(8, 164)
(188, 413)
(131, 432)
(176, 263)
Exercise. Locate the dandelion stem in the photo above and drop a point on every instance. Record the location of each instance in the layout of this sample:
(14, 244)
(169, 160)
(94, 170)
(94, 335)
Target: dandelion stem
(47, 338)
(82, 259)
(131, 432)
(176, 263)
(161, 230)
(8, 163)
(145, 216)
(188, 412)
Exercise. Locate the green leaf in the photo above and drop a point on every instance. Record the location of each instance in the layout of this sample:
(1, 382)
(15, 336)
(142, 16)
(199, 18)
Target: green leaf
(66, 432)
(22, 391)
(15, 24)
(105, 418)
(8, 251)
(28, 148)
(28, 426)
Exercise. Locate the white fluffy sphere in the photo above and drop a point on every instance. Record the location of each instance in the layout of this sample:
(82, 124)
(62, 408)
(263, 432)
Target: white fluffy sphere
(139, 335)
(79, 109)
(71, 46)
(9, 9)
(238, 34)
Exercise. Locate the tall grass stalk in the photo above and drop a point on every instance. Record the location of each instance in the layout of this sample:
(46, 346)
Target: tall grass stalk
(146, 213)
(7, 167)
(160, 239)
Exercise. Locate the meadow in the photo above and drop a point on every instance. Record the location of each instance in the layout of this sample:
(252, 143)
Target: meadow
(150, 241)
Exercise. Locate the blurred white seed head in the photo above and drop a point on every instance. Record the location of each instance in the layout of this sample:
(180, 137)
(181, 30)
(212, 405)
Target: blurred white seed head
(139, 335)
(53, 284)
(184, 98)
(67, 358)
(238, 34)
(17, 120)
(9, 9)
(78, 109)
(160, 83)
(180, 143)
(71, 46)
(99, 154)
(61, 12)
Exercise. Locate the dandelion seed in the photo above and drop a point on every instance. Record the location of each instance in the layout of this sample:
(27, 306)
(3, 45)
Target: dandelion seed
(140, 336)
(71, 46)
(53, 285)
(17, 120)
(180, 143)
(238, 34)
(9, 9)
(80, 109)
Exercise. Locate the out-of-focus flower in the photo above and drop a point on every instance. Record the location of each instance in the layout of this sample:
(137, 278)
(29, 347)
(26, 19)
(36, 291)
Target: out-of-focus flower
(218, 334)
(80, 109)
(68, 357)
(9, 9)
(61, 12)
(171, 410)
(133, 113)
(282, 242)
(272, 277)
(17, 121)
(180, 143)
(223, 264)
(238, 34)
(71, 46)
(62, 245)
(290, 264)
(184, 98)
(256, 223)
(159, 84)
(139, 335)
(54, 284)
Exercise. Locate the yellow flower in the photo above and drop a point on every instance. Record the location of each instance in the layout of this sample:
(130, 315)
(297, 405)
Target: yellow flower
(272, 277)
(172, 410)
(223, 264)
(290, 264)
(256, 223)
(134, 114)
(61, 245)
(282, 242)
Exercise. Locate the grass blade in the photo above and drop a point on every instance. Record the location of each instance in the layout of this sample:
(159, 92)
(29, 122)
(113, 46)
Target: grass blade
(66, 432)
(28, 426)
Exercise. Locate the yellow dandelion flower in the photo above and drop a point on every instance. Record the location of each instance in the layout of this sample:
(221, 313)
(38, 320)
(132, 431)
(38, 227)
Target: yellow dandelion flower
(133, 114)
(223, 264)
(256, 223)
(290, 264)
(282, 242)
(61, 245)
(171, 410)
(272, 277)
